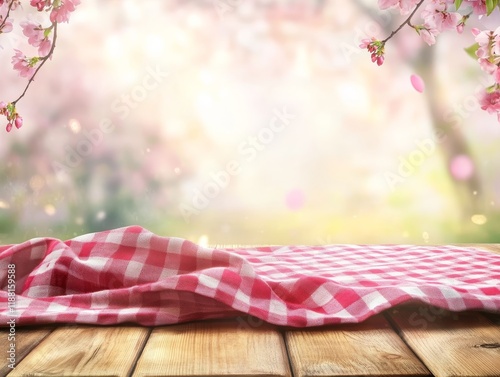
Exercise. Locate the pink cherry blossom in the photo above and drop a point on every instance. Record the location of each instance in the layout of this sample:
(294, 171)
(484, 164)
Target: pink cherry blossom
(428, 34)
(376, 49)
(439, 16)
(405, 6)
(496, 75)
(478, 6)
(33, 32)
(496, 41)
(36, 37)
(62, 12)
(44, 47)
(488, 51)
(365, 43)
(490, 102)
(13, 118)
(435, 14)
(482, 37)
(487, 66)
(22, 65)
(39, 4)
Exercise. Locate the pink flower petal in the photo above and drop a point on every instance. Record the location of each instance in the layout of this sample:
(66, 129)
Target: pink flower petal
(417, 83)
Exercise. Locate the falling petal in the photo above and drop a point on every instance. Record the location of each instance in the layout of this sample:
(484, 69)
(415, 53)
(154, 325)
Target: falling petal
(417, 83)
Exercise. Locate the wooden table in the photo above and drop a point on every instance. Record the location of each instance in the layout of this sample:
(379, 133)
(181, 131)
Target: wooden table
(410, 340)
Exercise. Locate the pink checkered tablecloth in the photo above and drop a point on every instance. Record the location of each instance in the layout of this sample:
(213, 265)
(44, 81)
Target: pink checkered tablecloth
(132, 275)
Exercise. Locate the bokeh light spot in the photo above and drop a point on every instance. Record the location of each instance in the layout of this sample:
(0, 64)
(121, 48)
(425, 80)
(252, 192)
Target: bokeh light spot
(479, 219)
(74, 125)
(101, 215)
(203, 241)
(295, 199)
(37, 183)
(461, 167)
(49, 209)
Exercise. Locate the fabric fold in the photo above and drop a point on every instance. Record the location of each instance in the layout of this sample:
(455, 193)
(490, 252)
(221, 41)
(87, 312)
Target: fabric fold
(132, 275)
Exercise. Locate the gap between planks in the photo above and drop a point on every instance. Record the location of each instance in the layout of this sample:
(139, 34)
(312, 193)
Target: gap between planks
(450, 344)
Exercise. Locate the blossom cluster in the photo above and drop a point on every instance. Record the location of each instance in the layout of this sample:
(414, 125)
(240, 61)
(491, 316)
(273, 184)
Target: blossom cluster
(43, 38)
(437, 16)
(488, 54)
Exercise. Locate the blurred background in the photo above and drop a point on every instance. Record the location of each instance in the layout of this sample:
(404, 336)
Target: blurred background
(249, 122)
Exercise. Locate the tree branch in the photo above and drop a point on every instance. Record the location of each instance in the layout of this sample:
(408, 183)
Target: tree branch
(7, 15)
(407, 22)
(44, 59)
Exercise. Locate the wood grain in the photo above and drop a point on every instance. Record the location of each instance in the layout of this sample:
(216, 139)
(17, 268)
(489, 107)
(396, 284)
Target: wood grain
(370, 348)
(215, 348)
(450, 344)
(85, 351)
(494, 248)
(25, 340)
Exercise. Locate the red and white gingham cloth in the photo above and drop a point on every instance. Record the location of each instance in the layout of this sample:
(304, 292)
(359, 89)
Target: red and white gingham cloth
(132, 275)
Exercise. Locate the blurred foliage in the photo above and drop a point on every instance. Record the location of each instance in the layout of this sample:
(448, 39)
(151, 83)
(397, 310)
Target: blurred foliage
(323, 179)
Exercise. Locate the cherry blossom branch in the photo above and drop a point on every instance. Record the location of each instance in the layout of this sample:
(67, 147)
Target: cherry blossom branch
(11, 4)
(43, 61)
(38, 36)
(437, 18)
(406, 22)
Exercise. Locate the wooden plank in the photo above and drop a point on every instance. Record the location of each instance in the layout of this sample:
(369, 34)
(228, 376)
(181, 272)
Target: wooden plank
(494, 248)
(370, 348)
(450, 344)
(214, 348)
(24, 340)
(85, 351)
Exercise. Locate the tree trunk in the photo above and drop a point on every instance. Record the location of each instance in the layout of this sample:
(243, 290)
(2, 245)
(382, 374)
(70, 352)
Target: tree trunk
(448, 136)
